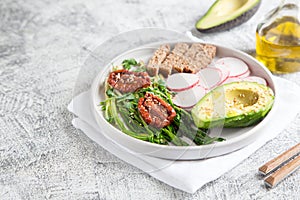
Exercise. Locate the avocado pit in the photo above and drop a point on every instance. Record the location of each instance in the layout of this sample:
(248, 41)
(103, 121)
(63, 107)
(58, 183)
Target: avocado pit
(241, 97)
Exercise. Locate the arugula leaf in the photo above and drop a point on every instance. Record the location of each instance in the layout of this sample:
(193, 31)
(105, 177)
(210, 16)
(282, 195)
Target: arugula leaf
(110, 92)
(128, 63)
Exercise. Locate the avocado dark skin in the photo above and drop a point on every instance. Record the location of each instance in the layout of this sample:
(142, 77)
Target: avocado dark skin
(232, 23)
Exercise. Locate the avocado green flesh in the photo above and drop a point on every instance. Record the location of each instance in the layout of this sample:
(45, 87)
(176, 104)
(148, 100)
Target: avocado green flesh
(237, 104)
(225, 14)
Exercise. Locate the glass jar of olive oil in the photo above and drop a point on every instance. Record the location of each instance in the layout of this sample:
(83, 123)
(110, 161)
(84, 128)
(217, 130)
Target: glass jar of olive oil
(278, 38)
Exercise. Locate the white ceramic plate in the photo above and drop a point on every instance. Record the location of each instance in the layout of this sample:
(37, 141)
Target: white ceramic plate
(236, 138)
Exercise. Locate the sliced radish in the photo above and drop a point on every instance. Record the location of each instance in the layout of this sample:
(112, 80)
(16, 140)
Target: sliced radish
(224, 72)
(245, 75)
(209, 77)
(188, 98)
(231, 80)
(256, 79)
(236, 66)
(182, 81)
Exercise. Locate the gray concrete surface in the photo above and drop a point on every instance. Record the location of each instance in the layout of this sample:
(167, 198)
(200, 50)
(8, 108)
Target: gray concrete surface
(42, 47)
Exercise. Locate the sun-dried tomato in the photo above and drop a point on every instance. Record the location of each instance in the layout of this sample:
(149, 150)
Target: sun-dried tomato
(128, 81)
(155, 111)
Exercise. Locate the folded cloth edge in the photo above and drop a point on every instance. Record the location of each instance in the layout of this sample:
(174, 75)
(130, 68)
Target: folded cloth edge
(134, 160)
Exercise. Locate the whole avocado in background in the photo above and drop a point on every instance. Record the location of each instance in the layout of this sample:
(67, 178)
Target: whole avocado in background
(237, 104)
(226, 14)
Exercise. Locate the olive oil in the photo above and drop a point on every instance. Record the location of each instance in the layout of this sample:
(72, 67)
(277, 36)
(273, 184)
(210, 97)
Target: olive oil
(278, 45)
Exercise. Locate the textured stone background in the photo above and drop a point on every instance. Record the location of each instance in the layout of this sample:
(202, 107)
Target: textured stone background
(42, 46)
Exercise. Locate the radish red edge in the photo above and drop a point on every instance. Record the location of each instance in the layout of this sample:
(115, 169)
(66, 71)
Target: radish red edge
(232, 79)
(244, 75)
(175, 83)
(224, 74)
(185, 88)
(235, 70)
(256, 79)
(204, 85)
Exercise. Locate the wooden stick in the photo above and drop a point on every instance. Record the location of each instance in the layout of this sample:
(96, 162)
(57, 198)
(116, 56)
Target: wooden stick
(283, 172)
(281, 159)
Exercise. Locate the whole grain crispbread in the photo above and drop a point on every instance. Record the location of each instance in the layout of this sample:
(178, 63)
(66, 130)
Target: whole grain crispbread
(157, 59)
(183, 58)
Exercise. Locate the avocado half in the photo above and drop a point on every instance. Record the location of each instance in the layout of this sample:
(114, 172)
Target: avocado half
(237, 104)
(226, 14)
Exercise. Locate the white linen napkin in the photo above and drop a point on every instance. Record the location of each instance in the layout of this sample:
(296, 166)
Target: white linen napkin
(189, 176)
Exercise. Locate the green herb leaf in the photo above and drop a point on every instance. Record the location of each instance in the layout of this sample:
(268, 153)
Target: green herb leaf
(110, 92)
(128, 63)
